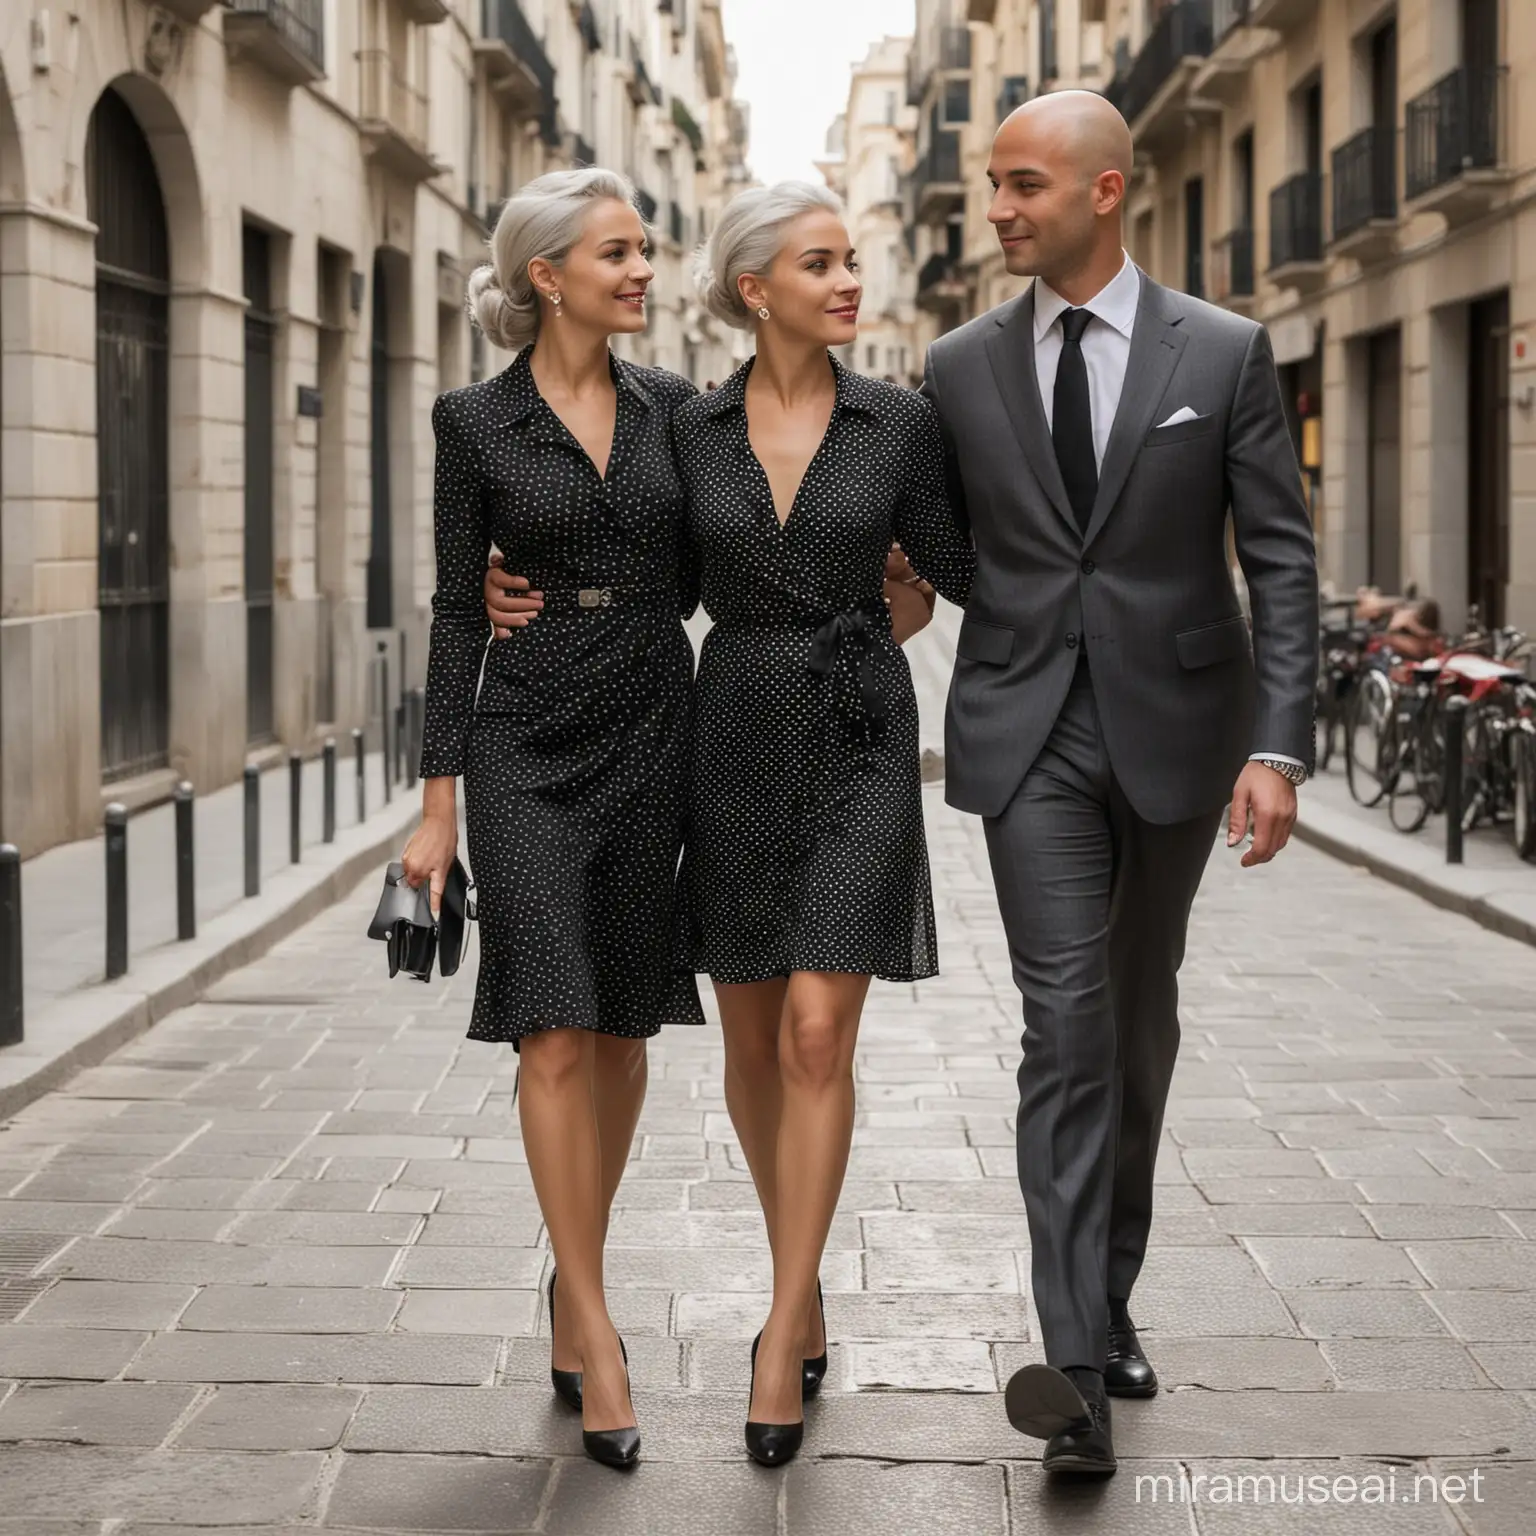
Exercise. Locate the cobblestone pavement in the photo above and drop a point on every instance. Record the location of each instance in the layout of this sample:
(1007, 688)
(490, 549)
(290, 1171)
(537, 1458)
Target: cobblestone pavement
(275, 1265)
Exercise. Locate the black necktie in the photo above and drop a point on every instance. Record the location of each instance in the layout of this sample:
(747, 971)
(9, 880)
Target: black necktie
(1072, 419)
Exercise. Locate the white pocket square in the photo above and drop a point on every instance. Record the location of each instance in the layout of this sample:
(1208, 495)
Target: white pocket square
(1184, 413)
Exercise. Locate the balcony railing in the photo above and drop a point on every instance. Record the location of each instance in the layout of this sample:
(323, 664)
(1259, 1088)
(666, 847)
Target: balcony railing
(951, 52)
(1296, 220)
(938, 268)
(503, 22)
(288, 36)
(1232, 266)
(1453, 127)
(1364, 180)
(940, 163)
(1226, 14)
(1182, 32)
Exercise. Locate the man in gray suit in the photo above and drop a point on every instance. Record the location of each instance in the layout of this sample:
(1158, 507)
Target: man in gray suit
(1108, 702)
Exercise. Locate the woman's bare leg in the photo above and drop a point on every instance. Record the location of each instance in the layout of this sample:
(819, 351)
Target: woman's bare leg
(556, 1105)
(817, 1038)
(750, 1016)
(618, 1094)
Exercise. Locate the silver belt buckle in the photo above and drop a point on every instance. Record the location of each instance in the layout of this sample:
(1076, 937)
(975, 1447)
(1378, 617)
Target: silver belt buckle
(595, 597)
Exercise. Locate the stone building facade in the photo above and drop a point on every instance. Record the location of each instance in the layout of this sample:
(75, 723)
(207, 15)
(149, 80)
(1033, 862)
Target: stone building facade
(869, 155)
(1357, 175)
(233, 245)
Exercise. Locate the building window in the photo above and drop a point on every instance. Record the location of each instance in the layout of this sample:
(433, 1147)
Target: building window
(1194, 237)
(872, 357)
(957, 101)
(890, 109)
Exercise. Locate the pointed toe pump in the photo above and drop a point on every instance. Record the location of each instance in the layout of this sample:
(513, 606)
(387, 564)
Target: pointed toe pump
(618, 1448)
(567, 1384)
(771, 1445)
(813, 1372)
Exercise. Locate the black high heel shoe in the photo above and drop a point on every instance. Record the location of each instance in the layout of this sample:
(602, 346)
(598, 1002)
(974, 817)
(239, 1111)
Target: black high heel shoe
(567, 1384)
(619, 1448)
(814, 1369)
(771, 1445)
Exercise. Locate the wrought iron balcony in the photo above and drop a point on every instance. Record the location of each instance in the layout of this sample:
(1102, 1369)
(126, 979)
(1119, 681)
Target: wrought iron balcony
(1296, 230)
(1365, 193)
(1232, 274)
(939, 283)
(392, 117)
(519, 69)
(1227, 14)
(936, 187)
(1235, 46)
(1454, 133)
(1150, 93)
(951, 54)
(643, 91)
(287, 37)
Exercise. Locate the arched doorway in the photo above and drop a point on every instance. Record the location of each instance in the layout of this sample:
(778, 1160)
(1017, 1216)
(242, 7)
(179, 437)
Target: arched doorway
(133, 270)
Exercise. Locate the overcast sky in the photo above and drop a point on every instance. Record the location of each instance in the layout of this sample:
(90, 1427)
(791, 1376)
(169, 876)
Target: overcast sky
(795, 56)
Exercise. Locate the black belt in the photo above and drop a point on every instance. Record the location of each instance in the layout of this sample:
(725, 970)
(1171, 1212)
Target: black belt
(593, 599)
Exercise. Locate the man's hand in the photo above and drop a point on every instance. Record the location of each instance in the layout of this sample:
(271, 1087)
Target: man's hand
(907, 595)
(1269, 800)
(509, 604)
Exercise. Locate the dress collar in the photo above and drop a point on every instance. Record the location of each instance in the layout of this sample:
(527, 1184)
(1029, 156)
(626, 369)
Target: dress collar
(854, 391)
(517, 384)
(1115, 303)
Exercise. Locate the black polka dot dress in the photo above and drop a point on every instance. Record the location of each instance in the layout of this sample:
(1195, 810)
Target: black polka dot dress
(805, 847)
(574, 752)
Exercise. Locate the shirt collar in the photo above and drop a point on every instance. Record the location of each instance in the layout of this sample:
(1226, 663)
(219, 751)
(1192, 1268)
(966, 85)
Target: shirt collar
(1115, 303)
(854, 391)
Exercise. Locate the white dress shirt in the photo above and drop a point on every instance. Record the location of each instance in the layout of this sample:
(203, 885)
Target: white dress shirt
(1106, 355)
(1106, 346)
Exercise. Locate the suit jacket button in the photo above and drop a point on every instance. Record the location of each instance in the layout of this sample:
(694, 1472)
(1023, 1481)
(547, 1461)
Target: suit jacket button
(1089, 567)
(1071, 642)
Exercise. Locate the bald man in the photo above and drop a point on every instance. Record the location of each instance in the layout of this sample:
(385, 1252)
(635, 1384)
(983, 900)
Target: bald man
(1108, 700)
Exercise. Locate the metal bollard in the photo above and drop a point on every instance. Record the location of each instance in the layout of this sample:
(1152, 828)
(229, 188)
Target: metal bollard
(295, 805)
(384, 715)
(116, 818)
(328, 790)
(1455, 752)
(186, 869)
(252, 831)
(12, 1028)
(359, 752)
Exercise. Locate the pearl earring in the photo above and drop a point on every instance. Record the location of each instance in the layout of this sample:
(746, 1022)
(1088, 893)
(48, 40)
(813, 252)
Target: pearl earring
(762, 313)
(555, 299)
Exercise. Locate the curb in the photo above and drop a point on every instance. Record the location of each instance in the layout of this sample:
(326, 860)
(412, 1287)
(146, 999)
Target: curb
(84, 1027)
(1483, 912)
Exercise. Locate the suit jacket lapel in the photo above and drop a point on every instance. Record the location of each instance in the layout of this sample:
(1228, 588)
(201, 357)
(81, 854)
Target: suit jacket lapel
(1156, 345)
(1011, 351)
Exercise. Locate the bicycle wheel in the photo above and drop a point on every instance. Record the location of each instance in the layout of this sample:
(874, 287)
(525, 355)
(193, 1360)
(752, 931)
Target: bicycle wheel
(1524, 747)
(1410, 795)
(1371, 747)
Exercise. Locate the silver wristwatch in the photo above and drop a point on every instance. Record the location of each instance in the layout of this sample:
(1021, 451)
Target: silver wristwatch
(1292, 771)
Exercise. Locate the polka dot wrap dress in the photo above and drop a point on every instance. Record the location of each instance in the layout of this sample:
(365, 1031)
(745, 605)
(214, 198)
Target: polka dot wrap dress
(805, 847)
(574, 752)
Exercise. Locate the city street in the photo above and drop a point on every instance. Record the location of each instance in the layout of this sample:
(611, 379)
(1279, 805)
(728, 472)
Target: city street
(276, 1264)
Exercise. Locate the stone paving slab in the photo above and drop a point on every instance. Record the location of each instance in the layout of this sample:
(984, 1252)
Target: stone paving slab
(288, 1242)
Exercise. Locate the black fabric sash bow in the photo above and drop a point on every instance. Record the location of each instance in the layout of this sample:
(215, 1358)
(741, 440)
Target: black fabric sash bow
(852, 628)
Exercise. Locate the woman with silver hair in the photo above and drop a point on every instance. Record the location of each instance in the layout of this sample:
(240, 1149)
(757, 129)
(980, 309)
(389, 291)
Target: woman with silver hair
(805, 871)
(570, 735)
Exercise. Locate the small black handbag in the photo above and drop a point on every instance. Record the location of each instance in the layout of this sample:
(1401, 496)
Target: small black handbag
(414, 938)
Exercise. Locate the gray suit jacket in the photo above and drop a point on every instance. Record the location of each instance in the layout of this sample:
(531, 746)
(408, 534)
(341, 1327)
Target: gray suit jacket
(1184, 693)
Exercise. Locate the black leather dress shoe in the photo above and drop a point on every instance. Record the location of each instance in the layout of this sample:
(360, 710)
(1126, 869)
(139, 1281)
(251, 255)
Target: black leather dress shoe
(1048, 1404)
(1127, 1371)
